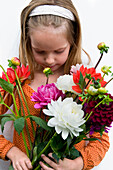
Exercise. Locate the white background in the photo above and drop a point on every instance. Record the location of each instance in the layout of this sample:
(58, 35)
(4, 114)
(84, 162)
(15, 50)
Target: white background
(97, 26)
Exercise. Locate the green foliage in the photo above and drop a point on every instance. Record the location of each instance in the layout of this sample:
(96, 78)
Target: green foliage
(41, 146)
(74, 153)
(1, 99)
(42, 123)
(104, 49)
(19, 124)
(3, 121)
(58, 145)
(63, 148)
(92, 139)
(82, 82)
(102, 130)
(6, 86)
(11, 167)
(11, 64)
(107, 100)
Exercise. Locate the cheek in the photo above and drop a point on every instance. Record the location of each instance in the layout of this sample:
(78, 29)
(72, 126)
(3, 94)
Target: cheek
(65, 56)
(37, 58)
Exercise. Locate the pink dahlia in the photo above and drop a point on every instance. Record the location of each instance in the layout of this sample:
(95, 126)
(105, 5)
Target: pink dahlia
(102, 116)
(45, 94)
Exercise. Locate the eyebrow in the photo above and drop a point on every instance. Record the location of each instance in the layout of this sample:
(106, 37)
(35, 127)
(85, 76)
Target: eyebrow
(36, 48)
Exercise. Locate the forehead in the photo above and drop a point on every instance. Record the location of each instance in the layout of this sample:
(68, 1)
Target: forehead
(48, 37)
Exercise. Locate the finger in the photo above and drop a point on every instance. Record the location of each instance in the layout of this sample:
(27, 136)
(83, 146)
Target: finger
(50, 155)
(17, 166)
(44, 167)
(28, 163)
(14, 167)
(49, 161)
(24, 166)
(57, 161)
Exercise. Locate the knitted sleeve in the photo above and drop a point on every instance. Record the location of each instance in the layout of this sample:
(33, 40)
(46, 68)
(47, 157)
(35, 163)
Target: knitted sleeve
(95, 151)
(5, 146)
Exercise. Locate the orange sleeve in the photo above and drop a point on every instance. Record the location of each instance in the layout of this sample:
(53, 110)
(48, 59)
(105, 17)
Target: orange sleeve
(95, 151)
(5, 146)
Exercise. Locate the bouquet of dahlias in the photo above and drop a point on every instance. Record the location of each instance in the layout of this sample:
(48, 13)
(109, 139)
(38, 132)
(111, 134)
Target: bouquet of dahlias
(78, 104)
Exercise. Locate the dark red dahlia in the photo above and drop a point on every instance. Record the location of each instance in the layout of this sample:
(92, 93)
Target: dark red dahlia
(102, 116)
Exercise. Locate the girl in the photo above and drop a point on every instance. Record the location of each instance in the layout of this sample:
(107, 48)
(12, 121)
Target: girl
(50, 37)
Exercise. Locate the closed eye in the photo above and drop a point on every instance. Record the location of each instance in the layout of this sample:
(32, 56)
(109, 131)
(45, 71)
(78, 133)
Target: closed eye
(58, 52)
(39, 52)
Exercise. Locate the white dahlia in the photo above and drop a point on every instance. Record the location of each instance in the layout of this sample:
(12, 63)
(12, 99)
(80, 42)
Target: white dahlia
(65, 83)
(67, 117)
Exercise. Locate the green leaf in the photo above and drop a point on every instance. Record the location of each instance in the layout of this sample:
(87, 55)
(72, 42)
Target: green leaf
(82, 82)
(55, 157)
(1, 99)
(41, 146)
(3, 121)
(7, 115)
(83, 127)
(69, 140)
(11, 167)
(42, 123)
(92, 139)
(74, 153)
(102, 130)
(58, 144)
(19, 124)
(6, 86)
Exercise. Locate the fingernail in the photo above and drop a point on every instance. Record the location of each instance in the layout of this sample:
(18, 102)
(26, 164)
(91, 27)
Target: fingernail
(42, 155)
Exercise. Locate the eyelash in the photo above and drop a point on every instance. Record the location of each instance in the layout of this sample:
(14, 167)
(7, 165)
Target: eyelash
(42, 52)
(58, 52)
(39, 52)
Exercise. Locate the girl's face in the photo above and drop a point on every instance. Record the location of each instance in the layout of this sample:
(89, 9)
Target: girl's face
(50, 47)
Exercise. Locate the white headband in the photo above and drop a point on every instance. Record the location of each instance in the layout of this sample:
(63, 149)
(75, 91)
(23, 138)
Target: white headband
(54, 10)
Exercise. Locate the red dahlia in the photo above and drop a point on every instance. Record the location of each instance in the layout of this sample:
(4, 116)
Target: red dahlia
(22, 72)
(84, 71)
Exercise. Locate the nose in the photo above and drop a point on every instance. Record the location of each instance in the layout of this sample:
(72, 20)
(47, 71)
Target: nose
(49, 59)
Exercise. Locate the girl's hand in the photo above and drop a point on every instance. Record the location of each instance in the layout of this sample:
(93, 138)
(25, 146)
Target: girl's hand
(65, 164)
(19, 159)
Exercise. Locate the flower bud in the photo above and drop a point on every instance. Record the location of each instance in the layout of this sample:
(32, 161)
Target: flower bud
(92, 90)
(102, 90)
(105, 69)
(47, 71)
(101, 46)
(15, 61)
(97, 85)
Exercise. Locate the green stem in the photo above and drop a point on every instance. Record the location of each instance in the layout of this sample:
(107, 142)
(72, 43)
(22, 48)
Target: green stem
(89, 116)
(5, 74)
(102, 77)
(25, 144)
(92, 111)
(24, 116)
(27, 151)
(24, 100)
(15, 104)
(84, 101)
(39, 155)
(11, 93)
(9, 109)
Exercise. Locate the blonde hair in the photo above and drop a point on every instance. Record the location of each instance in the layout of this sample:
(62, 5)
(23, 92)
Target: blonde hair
(73, 32)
